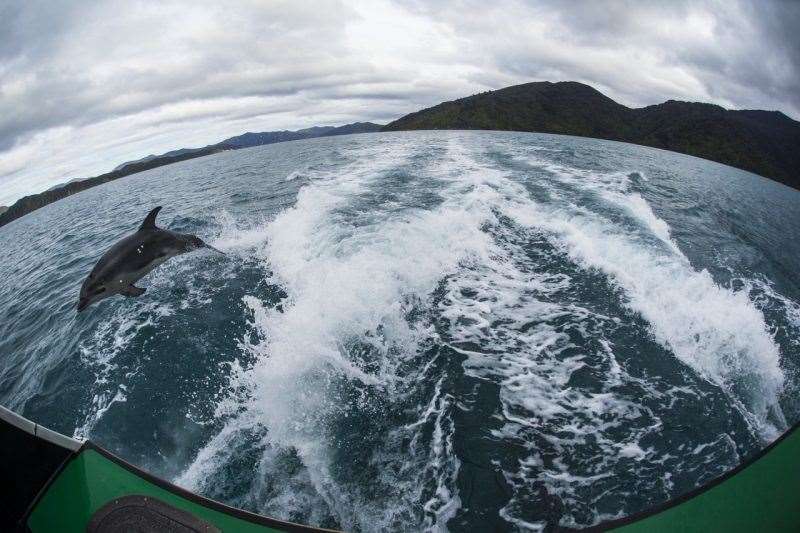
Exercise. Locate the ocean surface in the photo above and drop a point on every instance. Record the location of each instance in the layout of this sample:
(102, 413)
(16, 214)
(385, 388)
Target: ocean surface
(464, 331)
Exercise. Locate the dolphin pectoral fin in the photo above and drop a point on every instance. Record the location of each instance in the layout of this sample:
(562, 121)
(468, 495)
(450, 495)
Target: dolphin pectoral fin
(132, 291)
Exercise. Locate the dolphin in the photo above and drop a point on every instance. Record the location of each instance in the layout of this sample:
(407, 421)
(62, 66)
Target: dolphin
(134, 257)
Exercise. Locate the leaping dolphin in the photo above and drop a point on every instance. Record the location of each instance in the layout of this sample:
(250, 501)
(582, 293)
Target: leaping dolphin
(133, 258)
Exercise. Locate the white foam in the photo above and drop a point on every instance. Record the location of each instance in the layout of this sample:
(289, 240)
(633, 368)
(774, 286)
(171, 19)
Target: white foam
(510, 311)
(766, 297)
(344, 281)
(100, 353)
(353, 272)
(716, 331)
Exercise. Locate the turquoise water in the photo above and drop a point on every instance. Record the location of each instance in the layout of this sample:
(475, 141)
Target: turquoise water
(429, 330)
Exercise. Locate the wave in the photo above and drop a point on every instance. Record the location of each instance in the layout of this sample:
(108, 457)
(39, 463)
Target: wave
(718, 332)
(351, 276)
(348, 374)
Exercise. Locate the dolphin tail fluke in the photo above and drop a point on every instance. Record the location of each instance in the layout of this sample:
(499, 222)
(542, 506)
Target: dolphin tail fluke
(150, 219)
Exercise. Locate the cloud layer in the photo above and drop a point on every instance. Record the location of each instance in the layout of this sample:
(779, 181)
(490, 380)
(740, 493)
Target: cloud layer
(83, 88)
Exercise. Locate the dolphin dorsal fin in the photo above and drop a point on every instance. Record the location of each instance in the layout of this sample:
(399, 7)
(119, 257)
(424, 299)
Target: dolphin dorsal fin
(150, 219)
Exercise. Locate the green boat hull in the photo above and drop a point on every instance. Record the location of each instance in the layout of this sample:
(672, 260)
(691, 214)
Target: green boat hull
(93, 479)
(54, 483)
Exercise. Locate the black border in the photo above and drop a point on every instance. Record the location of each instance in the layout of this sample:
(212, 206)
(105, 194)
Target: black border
(23, 521)
(669, 504)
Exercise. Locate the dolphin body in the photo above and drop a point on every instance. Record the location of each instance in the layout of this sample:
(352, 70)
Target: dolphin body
(134, 257)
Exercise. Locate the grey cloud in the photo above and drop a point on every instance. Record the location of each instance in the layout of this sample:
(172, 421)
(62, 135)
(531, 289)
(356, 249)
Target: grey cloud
(92, 77)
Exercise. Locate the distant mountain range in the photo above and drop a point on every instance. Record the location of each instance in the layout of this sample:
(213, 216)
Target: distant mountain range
(247, 140)
(763, 142)
(25, 205)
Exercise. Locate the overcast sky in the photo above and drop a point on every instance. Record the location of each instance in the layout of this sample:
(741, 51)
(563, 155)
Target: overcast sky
(85, 87)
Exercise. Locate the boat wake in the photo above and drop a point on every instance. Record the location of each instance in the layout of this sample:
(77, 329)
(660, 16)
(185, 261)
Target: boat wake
(458, 314)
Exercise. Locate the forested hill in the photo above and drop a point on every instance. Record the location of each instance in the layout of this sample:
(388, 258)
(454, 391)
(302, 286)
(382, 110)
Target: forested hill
(763, 142)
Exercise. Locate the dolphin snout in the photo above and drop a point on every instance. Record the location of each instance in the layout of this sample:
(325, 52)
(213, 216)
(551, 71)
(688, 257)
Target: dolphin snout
(198, 243)
(212, 248)
(83, 303)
